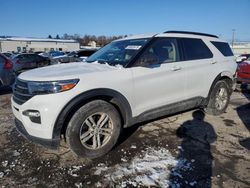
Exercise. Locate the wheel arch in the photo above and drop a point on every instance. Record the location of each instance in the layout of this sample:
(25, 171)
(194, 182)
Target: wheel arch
(114, 97)
(227, 76)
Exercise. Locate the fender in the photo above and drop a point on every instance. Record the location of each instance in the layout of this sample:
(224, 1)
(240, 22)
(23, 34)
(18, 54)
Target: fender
(71, 107)
(227, 74)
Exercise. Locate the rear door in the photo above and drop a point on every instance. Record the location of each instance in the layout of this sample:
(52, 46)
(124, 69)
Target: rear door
(158, 76)
(40, 61)
(19, 62)
(201, 67)
(30, 61)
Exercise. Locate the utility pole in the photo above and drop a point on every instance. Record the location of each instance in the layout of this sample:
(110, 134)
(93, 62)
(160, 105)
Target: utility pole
(233, 37)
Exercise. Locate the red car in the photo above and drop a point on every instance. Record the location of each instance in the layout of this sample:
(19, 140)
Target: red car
(243, 72)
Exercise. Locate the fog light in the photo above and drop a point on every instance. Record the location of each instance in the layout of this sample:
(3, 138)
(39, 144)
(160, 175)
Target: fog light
(34, 115)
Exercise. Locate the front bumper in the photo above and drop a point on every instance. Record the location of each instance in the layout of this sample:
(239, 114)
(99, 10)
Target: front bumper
(44, 131)
(49, 143)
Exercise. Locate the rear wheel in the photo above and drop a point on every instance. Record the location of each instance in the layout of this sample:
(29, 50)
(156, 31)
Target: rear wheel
(94, 129)
(219, 98)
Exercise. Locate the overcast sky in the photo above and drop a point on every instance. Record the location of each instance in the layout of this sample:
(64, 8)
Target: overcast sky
(39, 18)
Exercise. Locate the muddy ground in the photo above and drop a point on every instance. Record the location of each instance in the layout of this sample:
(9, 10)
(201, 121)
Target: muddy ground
(183, 150)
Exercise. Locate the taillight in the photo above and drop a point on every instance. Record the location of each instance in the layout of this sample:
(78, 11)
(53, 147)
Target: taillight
(8, 65)
(18, 62)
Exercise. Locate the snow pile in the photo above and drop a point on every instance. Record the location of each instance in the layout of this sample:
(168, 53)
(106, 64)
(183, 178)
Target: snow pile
(118, 66)
(151, 169)
(74, 171)
(1, 174)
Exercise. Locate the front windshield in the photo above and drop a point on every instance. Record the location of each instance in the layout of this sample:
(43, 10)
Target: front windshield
(118, 52)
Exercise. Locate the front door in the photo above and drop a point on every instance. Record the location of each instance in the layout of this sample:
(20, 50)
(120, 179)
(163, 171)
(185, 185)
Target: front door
(159, 77)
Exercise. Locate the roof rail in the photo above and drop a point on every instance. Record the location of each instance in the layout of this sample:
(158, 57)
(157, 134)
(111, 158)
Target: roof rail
(193, 33)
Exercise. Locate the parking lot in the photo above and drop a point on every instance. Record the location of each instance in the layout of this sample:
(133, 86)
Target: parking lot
(182, 150)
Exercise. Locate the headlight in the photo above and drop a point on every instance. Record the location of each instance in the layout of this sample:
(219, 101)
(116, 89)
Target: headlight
(37, 88)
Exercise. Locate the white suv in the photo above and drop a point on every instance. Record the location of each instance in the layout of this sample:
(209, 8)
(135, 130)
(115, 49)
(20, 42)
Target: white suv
(128, 81)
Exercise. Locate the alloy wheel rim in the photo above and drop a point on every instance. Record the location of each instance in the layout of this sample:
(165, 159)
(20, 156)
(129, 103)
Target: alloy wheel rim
(221, 98)
(96, 131)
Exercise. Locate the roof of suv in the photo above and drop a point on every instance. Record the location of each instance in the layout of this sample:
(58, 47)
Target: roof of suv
(186, 34)
(192, 33)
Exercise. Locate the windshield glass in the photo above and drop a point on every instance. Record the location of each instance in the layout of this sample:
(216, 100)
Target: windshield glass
(118, 52)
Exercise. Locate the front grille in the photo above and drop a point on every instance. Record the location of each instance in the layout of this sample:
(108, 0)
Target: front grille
(21, 92)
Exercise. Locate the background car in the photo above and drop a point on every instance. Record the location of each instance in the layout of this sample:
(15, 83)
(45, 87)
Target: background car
(28, 61)
(7, 54)
(242, 58)
(51, 54)
(7, 76)
(38, 52)
(75, 56)
(56, 53)
(82, 54)
(243, 71)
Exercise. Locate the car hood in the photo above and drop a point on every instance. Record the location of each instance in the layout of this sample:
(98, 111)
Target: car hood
(65, 71)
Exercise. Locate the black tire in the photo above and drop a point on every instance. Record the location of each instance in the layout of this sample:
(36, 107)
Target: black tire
(212, 108)
(80, 121)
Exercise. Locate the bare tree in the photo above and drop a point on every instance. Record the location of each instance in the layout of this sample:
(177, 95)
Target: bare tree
(85, 39)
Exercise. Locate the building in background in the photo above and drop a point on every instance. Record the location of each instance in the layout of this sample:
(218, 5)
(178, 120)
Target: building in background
(92, 44)
(241, 48)
(15, 44)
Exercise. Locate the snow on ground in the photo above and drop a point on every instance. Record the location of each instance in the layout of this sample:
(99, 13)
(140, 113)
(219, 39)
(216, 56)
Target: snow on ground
(152, 168)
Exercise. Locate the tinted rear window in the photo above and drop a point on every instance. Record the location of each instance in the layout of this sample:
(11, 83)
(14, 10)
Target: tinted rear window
(223, 47)
(195, 49)
(37, 57)
(20, 57)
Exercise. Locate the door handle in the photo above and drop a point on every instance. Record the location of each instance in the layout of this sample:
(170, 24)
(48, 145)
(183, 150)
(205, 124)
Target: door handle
(213, 62)
(175, 68)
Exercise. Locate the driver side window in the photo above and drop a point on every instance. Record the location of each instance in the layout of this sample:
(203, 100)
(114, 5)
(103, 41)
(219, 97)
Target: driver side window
(163, 50)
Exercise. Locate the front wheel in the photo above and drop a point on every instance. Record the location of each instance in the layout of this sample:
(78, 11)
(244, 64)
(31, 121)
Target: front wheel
(94, 129)
(219, 98)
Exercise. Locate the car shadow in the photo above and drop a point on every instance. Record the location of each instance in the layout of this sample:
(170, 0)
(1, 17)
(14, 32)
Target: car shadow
(243, 113)
(126, 133)
(194, 167)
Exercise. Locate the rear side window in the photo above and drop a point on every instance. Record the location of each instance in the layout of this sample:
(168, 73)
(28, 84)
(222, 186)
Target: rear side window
(223, 47)
(37, 57)
(30, 57)
(195, 49)
(20, 57)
